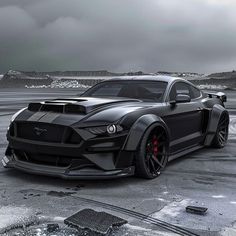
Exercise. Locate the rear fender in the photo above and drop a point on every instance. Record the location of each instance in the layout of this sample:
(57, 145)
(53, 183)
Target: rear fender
(138, 129)
(216, 113)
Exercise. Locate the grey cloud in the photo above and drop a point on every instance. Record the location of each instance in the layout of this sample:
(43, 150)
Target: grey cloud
(175, 35)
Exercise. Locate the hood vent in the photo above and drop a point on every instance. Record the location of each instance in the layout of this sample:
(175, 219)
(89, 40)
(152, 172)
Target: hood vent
(78, 106)
(57, 107)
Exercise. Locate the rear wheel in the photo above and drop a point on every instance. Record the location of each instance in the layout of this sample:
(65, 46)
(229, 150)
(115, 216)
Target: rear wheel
(221, 135)
(152, 154)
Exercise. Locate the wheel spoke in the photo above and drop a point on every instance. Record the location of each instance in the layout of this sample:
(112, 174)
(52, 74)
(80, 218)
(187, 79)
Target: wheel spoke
(152, 165)
(155, 152)
(157, 161)
(221, 136)
(221, 139)
(222, 132)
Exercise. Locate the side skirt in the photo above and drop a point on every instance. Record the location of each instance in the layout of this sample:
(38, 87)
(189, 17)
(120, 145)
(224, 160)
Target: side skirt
(184, 152)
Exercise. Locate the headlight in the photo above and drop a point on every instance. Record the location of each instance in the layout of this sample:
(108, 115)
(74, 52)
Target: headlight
(111, 129)
(16, 114)
(108, 129)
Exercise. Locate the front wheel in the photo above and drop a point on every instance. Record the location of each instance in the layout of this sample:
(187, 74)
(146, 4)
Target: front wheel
(152, 155)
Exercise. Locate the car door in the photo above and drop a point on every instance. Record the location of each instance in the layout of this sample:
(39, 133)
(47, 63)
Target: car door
(184, 119)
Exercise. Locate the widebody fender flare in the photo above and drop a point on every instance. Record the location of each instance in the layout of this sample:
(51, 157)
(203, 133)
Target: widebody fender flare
(215, 115)
(149, 121)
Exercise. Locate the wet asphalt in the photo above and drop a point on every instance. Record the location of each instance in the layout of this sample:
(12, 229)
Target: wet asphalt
(204, 178)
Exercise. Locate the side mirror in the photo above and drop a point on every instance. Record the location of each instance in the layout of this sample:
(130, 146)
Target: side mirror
(181, 98)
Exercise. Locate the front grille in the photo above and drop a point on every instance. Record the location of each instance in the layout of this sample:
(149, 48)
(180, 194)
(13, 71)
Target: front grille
(52, 160)
(44, 132)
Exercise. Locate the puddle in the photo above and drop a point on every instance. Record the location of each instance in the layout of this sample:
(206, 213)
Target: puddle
(60, 193)
(29, 193)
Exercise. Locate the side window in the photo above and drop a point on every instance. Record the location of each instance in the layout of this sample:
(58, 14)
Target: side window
(196, 93)
(179, 88)
(183, 88)
(173, 93)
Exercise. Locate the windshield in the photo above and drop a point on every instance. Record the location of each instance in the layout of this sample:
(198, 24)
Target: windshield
(144, 90)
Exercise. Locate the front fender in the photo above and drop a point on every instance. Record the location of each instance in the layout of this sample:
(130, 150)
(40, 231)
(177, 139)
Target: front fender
(216, 113)
(138, 129)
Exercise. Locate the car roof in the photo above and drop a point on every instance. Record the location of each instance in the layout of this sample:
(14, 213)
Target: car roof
(163, 78)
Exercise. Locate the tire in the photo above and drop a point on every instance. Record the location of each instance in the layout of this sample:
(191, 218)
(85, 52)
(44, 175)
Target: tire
(221, 135)
(152, 156)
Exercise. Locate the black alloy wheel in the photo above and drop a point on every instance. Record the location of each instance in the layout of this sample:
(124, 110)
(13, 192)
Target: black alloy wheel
(152, 155)
(221, 136)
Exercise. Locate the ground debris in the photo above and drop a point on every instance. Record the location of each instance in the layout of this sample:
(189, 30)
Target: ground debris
(52, 227)
(196, 210)
(59, 194)
(93, 221)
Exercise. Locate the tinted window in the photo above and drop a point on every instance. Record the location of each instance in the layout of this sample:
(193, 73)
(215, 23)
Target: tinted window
(179, 88)
(196, 93)
(184, 88)
(108, 90)
(144, 90)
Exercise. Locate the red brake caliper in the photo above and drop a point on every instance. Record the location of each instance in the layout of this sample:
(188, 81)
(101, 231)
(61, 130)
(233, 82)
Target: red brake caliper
(155, 145)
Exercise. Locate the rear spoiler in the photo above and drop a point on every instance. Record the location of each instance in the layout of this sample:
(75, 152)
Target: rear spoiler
(219, 95)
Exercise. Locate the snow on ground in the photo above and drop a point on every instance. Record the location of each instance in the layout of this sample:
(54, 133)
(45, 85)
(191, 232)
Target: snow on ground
(229, 231)
(61, 84)
(82, 77)
(212, 86)
(130, 229)
(13, 217)
(175, 213)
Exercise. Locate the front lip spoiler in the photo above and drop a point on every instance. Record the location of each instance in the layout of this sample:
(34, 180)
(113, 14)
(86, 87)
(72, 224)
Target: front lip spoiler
(66, 173)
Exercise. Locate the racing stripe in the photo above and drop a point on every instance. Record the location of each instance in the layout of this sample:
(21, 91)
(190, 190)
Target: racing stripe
(36, 116)
(49, 117)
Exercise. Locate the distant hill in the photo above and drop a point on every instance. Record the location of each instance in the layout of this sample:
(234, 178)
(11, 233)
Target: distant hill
(19, 79)
(30, 79)
(224, 75)
(180, 74)
(82, 79)
(71, 73)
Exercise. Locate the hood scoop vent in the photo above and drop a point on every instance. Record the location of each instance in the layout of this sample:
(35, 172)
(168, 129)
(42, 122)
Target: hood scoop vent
(57, 107)
(78, 106)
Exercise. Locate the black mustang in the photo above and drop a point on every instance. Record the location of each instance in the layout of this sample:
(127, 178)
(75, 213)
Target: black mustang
(116, 128)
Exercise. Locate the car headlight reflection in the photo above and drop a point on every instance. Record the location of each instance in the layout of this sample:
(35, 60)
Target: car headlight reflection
(111, 129)
(108, 129)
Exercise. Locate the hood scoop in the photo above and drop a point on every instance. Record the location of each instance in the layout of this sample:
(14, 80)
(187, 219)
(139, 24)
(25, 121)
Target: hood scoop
(78, 106)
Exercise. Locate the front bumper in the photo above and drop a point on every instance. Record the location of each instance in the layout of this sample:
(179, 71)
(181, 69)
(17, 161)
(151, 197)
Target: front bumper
(67, 153)
(65, 173)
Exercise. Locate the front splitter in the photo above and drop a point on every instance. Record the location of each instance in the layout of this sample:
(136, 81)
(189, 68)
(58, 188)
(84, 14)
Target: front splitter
(66, 173)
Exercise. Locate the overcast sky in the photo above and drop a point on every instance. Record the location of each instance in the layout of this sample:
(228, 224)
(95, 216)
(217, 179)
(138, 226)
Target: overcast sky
(118, 35)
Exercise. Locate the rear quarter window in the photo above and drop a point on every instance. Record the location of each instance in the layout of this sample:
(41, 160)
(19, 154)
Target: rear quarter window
(196, 93)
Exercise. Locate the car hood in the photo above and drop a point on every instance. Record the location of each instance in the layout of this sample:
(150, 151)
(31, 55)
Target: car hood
(82, 111)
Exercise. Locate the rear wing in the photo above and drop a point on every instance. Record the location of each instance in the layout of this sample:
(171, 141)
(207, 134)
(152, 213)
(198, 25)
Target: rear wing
(219, 95)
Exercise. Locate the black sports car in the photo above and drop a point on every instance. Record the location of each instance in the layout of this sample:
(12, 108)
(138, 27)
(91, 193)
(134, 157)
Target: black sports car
(117, 128)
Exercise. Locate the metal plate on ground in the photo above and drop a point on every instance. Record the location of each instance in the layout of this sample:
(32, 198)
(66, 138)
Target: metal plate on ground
(99, 222)
(196, 210)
